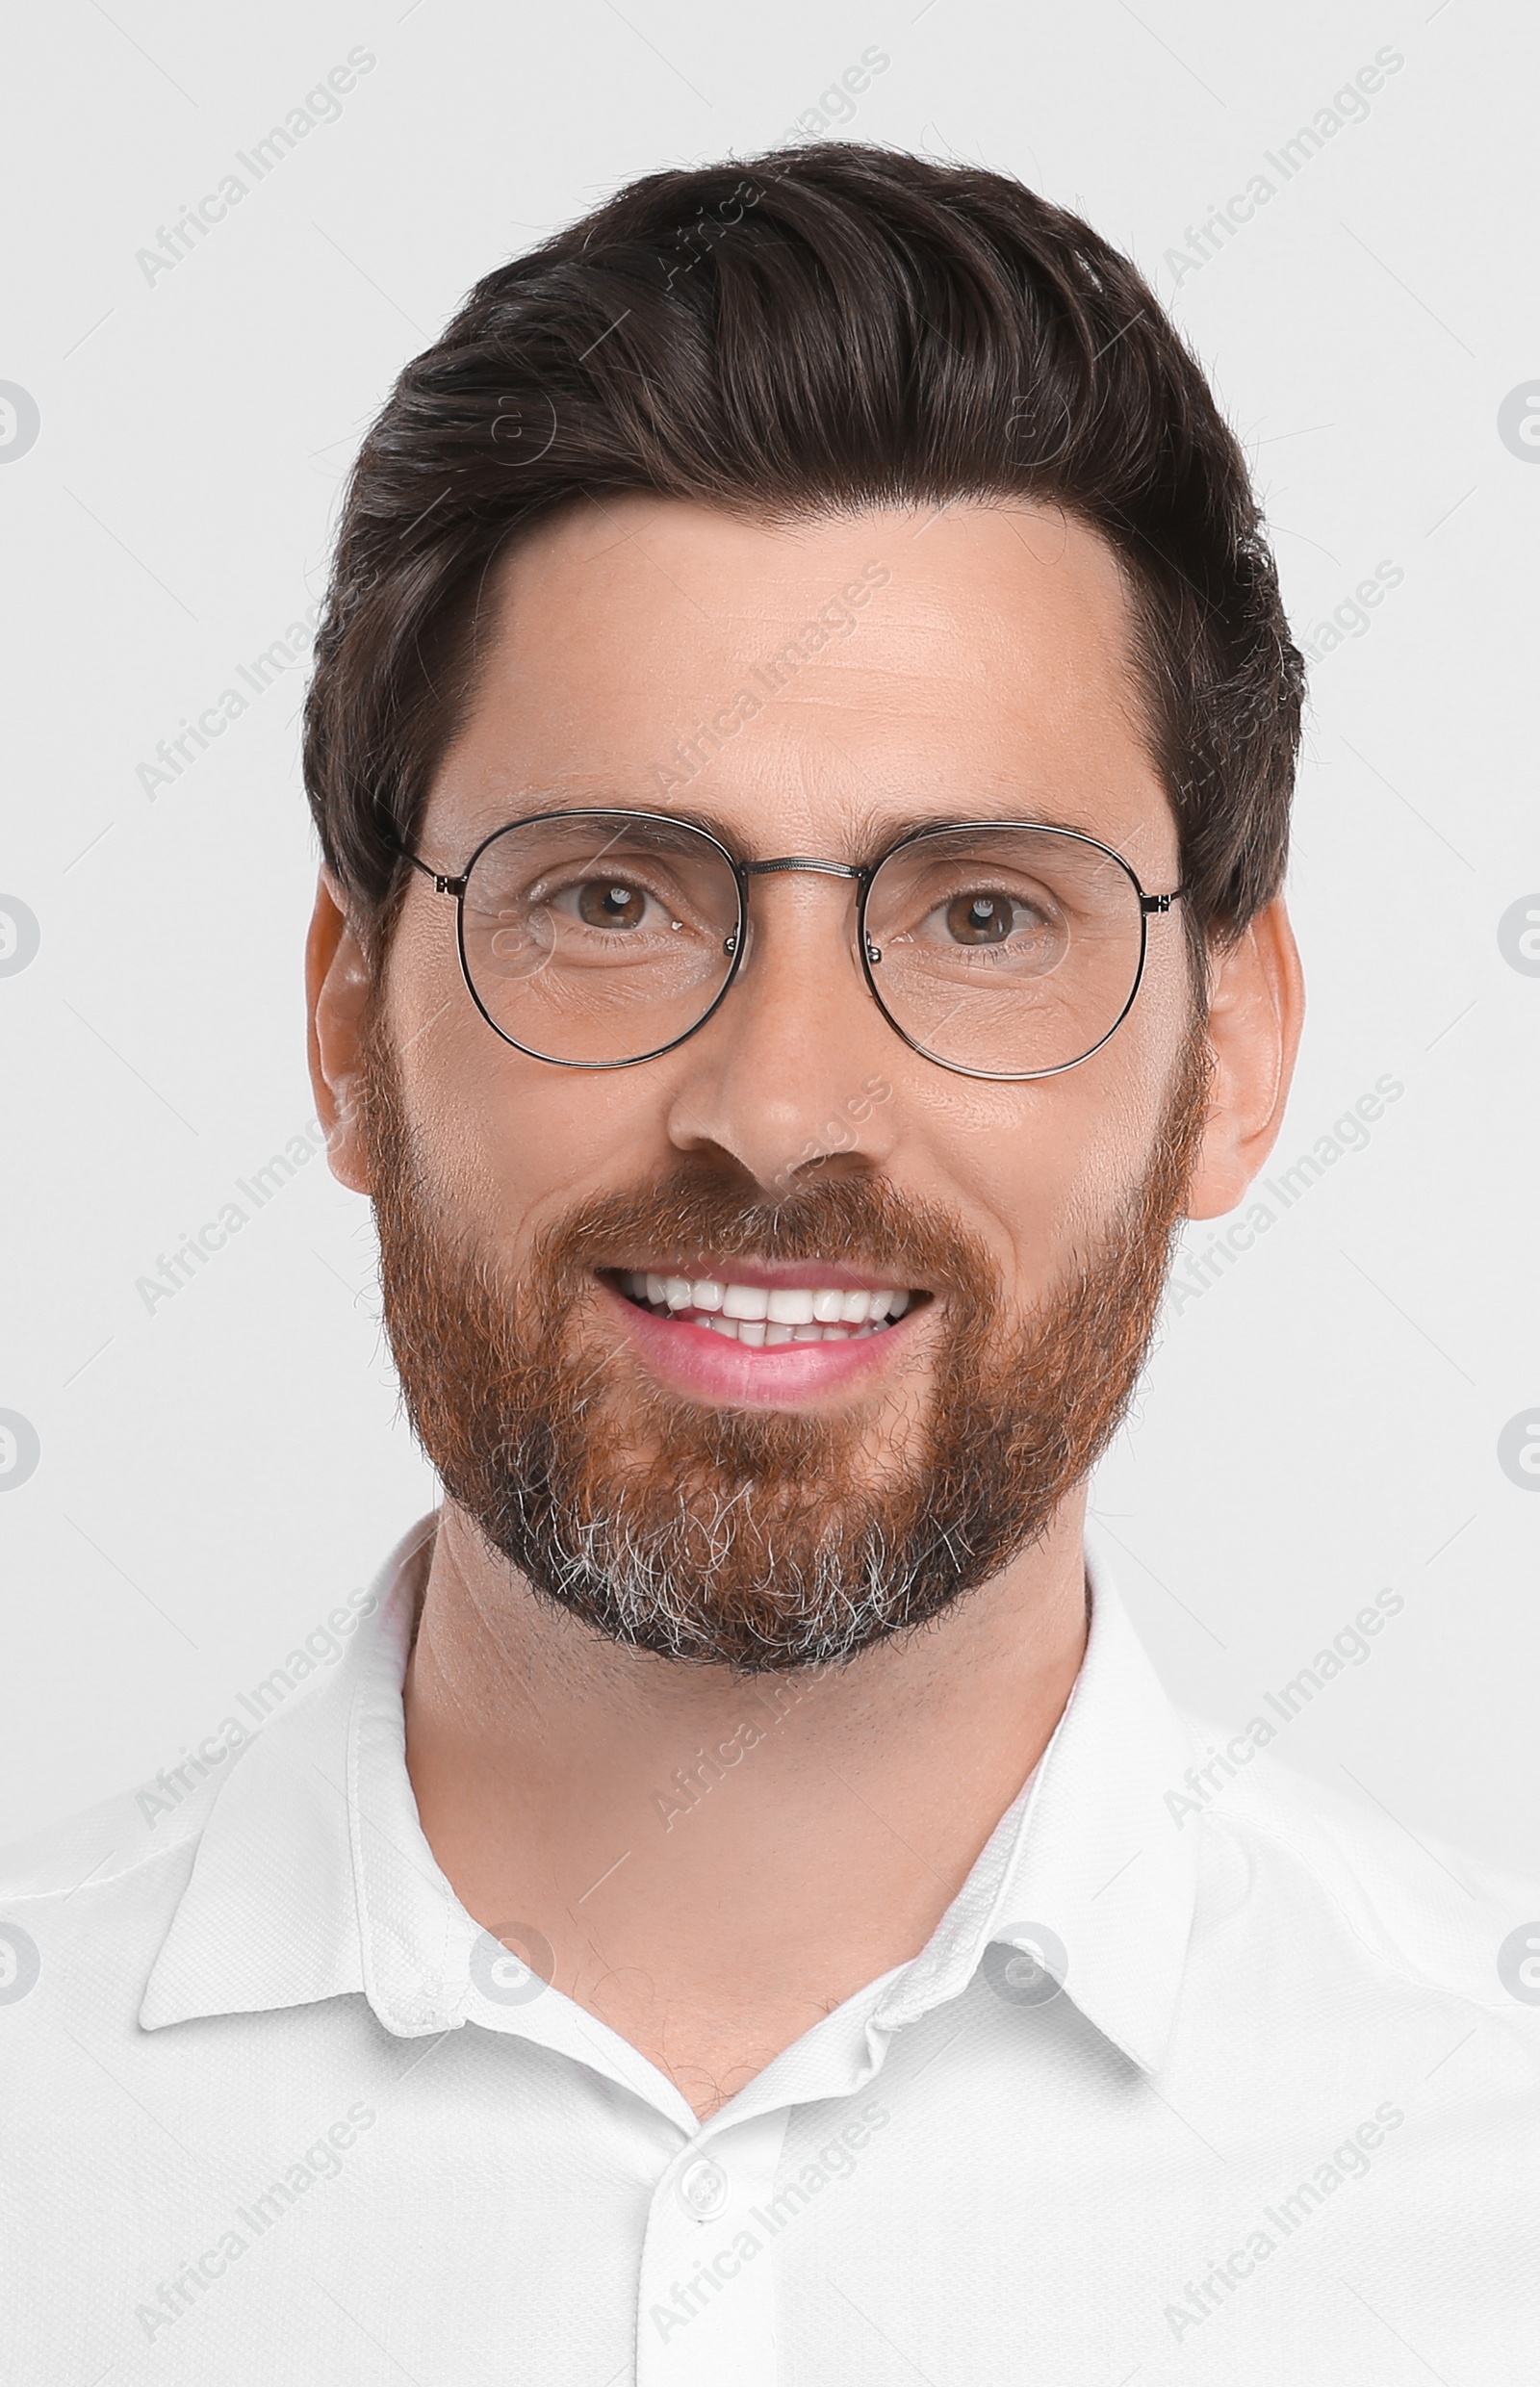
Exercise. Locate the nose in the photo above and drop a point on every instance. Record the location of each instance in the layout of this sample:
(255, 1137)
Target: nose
(792, 1073)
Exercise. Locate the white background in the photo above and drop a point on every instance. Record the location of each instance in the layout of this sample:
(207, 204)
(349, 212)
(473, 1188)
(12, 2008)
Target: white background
(1324, 1419)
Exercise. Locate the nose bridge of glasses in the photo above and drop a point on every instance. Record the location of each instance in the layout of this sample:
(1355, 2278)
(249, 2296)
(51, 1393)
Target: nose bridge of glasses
(804, 862)
(792, 865)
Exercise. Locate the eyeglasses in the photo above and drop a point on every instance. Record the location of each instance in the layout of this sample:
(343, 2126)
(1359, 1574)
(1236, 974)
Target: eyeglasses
(999, 949)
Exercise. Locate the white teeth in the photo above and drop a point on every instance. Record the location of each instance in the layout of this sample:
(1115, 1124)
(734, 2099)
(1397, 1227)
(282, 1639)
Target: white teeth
(761, 1318)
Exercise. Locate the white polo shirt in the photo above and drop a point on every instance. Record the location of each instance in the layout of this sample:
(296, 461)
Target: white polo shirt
(273, 2108)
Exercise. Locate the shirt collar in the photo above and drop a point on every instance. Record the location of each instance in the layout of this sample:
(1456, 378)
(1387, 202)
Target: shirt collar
(313, 1860)
(313, 1878)
(1084, 1871)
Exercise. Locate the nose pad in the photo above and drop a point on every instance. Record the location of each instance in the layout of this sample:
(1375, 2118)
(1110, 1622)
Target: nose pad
(744, 937)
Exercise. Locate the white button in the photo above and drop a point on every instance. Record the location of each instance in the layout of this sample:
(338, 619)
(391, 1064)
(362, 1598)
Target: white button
(703, 2188)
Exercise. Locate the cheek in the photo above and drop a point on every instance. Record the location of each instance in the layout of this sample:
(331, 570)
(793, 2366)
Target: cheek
(1042, 1168)
(507, 1143)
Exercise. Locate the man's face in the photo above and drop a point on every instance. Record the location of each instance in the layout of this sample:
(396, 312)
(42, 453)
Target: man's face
(705, 1493)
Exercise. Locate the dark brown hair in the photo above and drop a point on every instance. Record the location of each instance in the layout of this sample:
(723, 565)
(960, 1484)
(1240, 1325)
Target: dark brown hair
(815, 330)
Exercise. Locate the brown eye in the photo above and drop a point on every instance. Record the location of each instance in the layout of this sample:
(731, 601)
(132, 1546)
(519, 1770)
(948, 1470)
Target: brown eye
(610, 907)
(979, 918)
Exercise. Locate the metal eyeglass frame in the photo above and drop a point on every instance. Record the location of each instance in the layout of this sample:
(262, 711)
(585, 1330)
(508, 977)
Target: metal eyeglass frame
(736, 945)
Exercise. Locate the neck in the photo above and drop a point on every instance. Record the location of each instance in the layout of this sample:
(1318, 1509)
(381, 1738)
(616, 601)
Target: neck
(718, 1860)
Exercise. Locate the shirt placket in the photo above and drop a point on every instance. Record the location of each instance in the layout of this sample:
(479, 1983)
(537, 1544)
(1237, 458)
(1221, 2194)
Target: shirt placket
(705, 2307)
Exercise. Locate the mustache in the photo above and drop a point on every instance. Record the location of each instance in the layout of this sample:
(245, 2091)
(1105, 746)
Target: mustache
(701, 1211)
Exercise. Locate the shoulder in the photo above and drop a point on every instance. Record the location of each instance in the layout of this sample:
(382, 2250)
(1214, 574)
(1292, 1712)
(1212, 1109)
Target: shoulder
(141, 1833)
(85, 1907)
(135, 1836)
(1435, 1915)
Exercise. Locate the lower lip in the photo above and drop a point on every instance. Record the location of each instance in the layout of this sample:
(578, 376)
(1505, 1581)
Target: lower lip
(710, 1367)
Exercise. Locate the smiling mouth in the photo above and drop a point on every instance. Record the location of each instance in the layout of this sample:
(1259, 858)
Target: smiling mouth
(768, 1315)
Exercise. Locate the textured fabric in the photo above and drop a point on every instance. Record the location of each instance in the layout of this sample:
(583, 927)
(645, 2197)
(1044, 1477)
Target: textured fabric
(1226, 2084)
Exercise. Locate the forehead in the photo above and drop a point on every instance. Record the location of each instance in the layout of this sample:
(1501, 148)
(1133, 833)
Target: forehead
(810, 686)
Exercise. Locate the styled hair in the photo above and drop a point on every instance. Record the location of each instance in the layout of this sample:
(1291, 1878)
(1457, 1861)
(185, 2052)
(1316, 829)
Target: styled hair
(810, 332)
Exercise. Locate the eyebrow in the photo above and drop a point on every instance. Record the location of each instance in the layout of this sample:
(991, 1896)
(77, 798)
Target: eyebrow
(876, 832)
(884, 829)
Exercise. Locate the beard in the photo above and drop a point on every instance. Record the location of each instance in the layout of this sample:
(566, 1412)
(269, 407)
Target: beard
(761, 1540)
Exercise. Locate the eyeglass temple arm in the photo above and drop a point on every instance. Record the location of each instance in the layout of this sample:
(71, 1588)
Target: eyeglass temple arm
(1149, 904)
(444, 886)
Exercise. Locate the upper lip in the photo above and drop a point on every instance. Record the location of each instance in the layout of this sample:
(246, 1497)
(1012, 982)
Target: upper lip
(803, 1275)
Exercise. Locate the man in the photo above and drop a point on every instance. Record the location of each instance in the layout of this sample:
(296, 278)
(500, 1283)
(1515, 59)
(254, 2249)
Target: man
(801, 747)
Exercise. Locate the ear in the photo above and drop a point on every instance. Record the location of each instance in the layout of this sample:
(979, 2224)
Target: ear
(1256, 1011)
(337, 986)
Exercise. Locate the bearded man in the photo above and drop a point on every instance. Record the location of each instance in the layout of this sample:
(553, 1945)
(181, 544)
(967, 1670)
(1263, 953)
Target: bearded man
(801, 746)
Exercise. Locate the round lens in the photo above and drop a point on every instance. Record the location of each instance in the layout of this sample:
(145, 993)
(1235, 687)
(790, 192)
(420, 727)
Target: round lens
(598, 938)
(1011, 951)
